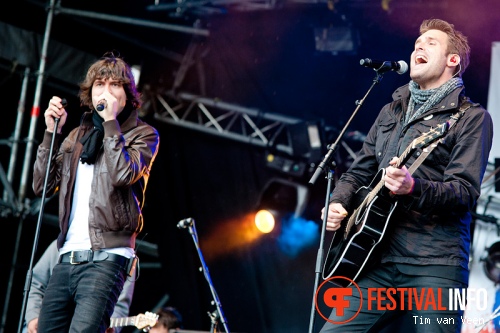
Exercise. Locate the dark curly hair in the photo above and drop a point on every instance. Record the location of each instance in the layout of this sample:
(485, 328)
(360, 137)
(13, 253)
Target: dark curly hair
(110, 66)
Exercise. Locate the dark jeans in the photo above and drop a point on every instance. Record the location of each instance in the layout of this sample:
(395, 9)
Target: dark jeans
(374, 319)
(81, 298)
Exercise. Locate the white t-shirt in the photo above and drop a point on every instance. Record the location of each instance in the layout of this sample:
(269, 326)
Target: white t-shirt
(78, 237)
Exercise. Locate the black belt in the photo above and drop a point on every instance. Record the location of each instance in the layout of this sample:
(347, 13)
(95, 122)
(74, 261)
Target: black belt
(81, 257)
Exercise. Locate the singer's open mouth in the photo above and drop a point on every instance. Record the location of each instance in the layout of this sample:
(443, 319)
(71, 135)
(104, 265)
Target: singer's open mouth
(420, 59)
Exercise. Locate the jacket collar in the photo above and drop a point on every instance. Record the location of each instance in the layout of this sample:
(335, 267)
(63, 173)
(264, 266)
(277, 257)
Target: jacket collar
(452, 101)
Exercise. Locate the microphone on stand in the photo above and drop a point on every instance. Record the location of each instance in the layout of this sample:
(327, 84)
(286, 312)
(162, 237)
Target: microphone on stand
(64, 103)
(183, 224)
(399, 67)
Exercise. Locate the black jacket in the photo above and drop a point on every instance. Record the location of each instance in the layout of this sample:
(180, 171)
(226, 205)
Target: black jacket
(431, 226)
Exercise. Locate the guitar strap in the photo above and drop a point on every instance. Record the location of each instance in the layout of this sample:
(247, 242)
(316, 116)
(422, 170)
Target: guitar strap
(465, 105)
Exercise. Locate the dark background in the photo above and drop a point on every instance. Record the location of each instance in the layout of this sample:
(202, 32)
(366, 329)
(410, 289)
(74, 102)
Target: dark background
(264, 59)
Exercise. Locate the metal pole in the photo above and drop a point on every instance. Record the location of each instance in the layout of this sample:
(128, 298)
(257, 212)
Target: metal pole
(17, 133)
(130, 20)
(35, 111)
(11, 195)
(29, 275)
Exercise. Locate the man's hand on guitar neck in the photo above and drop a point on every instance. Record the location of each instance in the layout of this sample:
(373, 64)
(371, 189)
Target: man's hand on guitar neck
(398, 180)
(336, 213)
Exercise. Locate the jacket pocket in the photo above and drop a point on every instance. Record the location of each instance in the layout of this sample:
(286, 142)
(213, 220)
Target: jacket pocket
(385, 131)
(441, 154)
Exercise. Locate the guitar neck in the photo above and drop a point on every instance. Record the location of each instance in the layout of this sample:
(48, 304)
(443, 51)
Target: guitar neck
(403, 158)
(422, 141)
(380, 185)
(125, 321)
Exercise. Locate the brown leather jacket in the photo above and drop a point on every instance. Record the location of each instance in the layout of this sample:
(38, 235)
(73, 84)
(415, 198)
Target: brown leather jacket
(121, 174)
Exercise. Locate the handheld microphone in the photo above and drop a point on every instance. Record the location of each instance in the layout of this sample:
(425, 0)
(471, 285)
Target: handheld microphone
(101, 105)
(399, 67)
(64, 103)
(185, 223)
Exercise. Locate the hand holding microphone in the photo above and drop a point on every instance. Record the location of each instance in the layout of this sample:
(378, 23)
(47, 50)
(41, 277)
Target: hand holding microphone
(64, 103)
(107, 105)
(55, 115)
(101, 105)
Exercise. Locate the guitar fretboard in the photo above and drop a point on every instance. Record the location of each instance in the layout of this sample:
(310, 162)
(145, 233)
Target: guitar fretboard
(120, 322)
(401, 160)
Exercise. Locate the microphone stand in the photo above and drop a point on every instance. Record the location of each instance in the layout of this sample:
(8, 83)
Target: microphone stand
(327, 165)
(29, 275)
(216, 314)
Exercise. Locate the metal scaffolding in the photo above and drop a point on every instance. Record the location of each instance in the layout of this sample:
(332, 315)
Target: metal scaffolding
(231, 121)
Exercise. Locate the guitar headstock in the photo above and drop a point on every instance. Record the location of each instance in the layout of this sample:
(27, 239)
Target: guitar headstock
(146, 321)
(431, 135)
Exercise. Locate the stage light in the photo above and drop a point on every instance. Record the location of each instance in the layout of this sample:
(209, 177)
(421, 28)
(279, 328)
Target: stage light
(286, 165)
(306, 141)
(278, 199)
(231, 235)
(279, 214)
(284, 197)
(297, 234)
(265, 221)
(276, 217)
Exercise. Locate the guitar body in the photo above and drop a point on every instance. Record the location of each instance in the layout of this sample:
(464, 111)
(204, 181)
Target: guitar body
(349, 251)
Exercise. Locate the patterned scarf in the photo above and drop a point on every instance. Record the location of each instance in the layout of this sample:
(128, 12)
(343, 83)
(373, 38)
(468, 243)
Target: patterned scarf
(428, 98)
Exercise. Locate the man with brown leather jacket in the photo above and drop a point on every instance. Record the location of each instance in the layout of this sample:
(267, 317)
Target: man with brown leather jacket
(101, 171)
